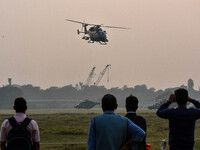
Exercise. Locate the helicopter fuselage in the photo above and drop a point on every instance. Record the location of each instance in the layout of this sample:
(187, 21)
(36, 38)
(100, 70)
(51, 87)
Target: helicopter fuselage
(98, 36)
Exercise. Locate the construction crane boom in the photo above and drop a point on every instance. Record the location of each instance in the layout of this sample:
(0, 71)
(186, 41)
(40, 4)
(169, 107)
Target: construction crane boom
(90, 77)
(102, 74)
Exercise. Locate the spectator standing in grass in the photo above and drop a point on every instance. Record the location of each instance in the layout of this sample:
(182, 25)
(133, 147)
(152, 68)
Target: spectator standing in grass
(20, 132)
(109, 131)
(131, 108)
(181, 120)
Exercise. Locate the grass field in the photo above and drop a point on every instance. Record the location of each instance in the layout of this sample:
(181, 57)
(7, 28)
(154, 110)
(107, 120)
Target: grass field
(65, 126)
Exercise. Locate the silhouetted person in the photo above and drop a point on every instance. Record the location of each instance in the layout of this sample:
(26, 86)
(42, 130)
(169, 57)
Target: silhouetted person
(109, 131)
(9, 137)
(181, 120)
(131, 108)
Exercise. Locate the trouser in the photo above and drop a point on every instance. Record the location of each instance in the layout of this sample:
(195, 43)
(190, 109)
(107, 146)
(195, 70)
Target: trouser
(173, 147)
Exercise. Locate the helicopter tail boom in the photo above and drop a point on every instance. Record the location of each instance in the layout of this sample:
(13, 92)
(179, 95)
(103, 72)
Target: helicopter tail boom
(78, 31)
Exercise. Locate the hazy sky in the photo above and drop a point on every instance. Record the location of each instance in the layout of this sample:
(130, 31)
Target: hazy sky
(38, 46)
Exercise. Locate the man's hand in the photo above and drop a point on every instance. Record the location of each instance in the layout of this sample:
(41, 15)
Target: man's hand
(124, 148)
(36, 145)
(128, 145)
(190, 99)
(172, 98)
(3, 145)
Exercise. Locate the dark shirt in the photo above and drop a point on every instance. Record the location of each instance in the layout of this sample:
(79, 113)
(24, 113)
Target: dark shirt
(181, 124)
(141, 122)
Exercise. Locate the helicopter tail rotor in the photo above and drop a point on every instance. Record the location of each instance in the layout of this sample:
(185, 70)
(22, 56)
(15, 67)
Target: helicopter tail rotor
(115, 27)
(78, 32)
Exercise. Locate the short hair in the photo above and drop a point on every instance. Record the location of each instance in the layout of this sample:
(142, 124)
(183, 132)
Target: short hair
(109, 102)
(131, 103)
(20, 104)
(181, 96)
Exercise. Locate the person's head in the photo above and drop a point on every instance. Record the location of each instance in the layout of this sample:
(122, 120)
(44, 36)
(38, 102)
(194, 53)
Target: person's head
(20, 105)
(181, 96)
(109, 102)
(131, 103)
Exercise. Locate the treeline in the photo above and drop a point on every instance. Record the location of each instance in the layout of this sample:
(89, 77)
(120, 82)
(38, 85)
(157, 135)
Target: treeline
(147, 96)
(93, 93)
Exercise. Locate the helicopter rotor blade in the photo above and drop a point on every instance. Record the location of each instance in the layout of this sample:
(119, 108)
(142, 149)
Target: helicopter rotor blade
(75, 21)
(98, 25)
(83, 23)
(82, 26)
(116, 27)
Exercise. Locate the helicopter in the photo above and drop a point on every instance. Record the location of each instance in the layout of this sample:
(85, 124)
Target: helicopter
(94, 33)
(87, 104)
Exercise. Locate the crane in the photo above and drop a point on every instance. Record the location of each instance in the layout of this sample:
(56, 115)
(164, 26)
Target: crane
(90, 77)
(102, 74)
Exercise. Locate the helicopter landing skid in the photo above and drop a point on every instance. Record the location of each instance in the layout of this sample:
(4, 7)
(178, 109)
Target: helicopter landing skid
(103, 43)
(90, 41)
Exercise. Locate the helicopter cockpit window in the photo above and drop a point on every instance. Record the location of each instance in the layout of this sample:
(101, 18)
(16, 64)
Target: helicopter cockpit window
(99, 29)
(91, 29)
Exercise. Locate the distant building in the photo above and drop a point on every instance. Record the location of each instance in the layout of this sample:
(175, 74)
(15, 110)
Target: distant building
(190, 85)
(9, 81)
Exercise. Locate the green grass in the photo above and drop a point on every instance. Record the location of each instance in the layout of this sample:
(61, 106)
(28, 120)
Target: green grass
(72, 126)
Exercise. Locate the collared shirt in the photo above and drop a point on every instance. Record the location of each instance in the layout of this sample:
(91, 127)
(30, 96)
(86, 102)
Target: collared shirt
(131, 112)
(19, 117)
(136, 132)
(181, 123)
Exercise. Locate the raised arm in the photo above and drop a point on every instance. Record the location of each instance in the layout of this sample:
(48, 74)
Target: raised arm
(163, 111)
(194, 102)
